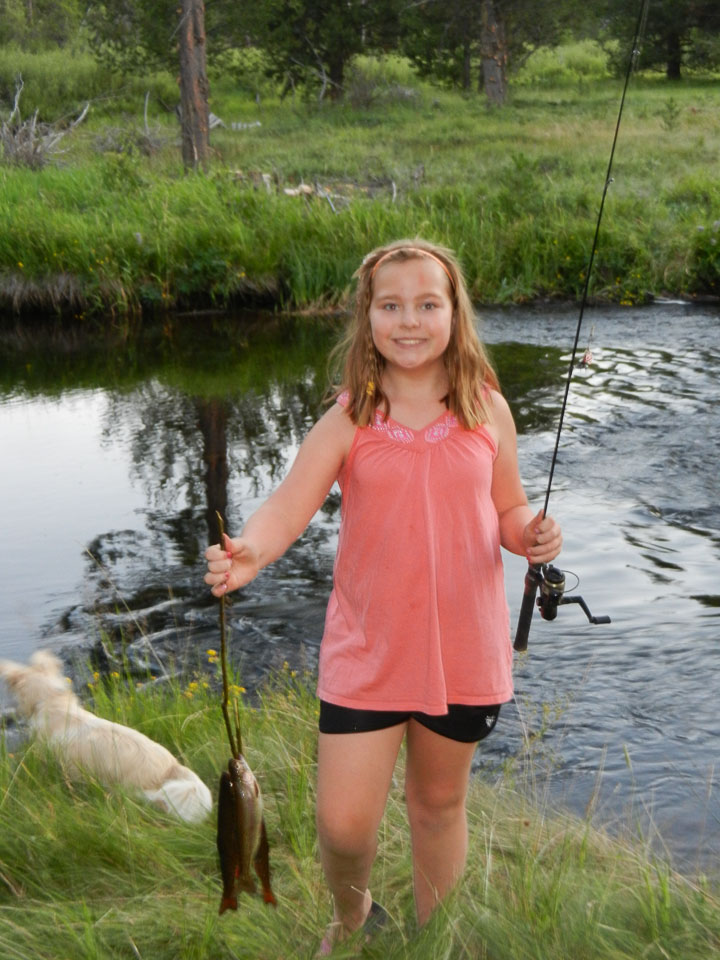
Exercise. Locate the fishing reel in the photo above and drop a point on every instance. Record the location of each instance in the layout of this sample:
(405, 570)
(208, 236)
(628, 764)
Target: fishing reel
(550, 581)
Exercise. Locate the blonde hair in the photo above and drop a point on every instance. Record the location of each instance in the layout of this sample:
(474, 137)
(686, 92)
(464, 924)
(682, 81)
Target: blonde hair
(470, 373)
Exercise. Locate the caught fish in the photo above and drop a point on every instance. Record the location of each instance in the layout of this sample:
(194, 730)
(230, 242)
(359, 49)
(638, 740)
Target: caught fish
(241, 836)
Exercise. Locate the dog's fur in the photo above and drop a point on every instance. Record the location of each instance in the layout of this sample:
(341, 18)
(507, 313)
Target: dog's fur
(107, 751)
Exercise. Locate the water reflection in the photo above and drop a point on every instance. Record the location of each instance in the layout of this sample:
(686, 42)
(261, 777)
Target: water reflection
(209, 413)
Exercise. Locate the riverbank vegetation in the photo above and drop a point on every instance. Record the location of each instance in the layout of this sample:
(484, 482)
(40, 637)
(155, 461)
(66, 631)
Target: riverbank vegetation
(298, 191)
(94, 875)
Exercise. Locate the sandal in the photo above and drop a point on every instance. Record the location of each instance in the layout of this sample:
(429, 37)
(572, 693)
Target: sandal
(374, 922)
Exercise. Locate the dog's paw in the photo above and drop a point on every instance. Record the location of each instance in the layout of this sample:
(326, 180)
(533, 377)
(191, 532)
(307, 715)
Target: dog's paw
(191, 801)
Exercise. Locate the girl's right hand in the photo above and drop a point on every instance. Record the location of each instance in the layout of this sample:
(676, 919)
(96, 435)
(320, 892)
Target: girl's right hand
(231, 567)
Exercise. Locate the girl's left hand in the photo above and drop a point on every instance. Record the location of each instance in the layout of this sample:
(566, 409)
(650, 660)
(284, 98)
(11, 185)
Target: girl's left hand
(542, 539)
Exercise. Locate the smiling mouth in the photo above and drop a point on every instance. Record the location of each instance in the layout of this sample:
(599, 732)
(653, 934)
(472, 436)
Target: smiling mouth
(409, 341)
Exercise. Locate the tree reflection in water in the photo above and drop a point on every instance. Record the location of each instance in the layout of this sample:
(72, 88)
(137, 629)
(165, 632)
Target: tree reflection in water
(214, 431)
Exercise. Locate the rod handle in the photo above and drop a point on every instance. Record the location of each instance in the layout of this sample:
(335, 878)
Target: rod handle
(533, 578)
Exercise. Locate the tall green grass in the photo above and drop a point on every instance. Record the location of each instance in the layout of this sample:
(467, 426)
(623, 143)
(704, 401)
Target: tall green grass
(92, 874)
(116, 225)
(59, 82)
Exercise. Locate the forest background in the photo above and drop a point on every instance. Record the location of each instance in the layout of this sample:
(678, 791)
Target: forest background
(332, 126)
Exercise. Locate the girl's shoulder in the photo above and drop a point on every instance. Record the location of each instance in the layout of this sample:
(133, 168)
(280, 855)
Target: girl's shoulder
(496, 400)
(500, 424)
(334, 427)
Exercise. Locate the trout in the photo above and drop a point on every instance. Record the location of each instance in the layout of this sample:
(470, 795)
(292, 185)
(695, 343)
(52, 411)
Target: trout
(241, 836)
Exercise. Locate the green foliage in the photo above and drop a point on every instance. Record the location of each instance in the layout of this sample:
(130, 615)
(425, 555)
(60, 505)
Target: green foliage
(129, 35)
(309, 43)
(704, 51)
(580, 63)
(41, 24)
(118, 227)
(372, 81)
(706, 257)
(54, 83)
(445, 41)
(677, 34)
(670, 113)
(246, 68)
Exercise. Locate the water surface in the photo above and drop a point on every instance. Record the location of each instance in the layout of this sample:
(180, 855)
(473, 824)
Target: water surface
(117, 451)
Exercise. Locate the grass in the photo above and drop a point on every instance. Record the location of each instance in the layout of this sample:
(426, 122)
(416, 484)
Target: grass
(89, 874)
(114, 224)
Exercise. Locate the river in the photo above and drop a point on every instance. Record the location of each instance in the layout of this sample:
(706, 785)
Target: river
(117, 450)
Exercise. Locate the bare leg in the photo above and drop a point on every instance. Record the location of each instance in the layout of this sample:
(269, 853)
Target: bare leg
(354, 775)
(436, 788)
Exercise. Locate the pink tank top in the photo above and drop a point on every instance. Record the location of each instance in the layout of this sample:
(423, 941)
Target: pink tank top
(417, 617)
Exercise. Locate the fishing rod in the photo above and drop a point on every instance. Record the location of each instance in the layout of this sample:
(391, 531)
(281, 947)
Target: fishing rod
(546, 578)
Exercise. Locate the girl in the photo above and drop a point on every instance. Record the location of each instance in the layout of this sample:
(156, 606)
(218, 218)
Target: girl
(416, 642)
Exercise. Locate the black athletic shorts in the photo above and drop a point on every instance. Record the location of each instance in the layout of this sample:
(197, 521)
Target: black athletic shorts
(466, 724)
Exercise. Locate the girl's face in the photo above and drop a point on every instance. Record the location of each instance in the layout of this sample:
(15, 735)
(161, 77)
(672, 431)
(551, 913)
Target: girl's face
(411, 313)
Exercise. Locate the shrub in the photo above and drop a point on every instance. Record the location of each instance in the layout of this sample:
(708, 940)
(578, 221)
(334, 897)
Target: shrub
(570, 64)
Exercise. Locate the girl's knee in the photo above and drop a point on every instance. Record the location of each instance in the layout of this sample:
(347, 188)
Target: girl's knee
(346, 834)
(435, 804)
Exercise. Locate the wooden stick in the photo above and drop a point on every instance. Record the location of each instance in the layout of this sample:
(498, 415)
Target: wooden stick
(238, 733)
(223, 664)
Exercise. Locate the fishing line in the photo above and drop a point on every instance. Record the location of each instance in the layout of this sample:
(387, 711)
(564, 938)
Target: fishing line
(535, 576)
(639, 31)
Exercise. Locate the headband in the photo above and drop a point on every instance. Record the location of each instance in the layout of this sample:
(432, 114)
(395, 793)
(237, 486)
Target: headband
(419, 250)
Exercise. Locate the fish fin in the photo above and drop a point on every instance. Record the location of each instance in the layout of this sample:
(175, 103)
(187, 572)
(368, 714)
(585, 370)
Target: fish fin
(262, 866)
(227, 903)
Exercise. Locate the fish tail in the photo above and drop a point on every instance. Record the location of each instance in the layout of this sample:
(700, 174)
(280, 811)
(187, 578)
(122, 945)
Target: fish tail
(268, 896)
(262, 866)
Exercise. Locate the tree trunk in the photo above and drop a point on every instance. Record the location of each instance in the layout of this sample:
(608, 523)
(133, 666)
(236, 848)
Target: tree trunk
(194, 88)
(493, 52)
(337, 75)
(674, 56)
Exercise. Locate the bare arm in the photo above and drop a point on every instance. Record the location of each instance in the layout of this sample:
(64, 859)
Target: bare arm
(285, 514)
(522, 532)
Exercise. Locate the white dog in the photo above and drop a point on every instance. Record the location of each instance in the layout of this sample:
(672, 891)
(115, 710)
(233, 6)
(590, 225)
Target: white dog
(111, 752)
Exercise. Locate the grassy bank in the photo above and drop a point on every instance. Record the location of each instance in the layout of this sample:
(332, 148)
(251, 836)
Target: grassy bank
(115, 224)
(92, 875)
